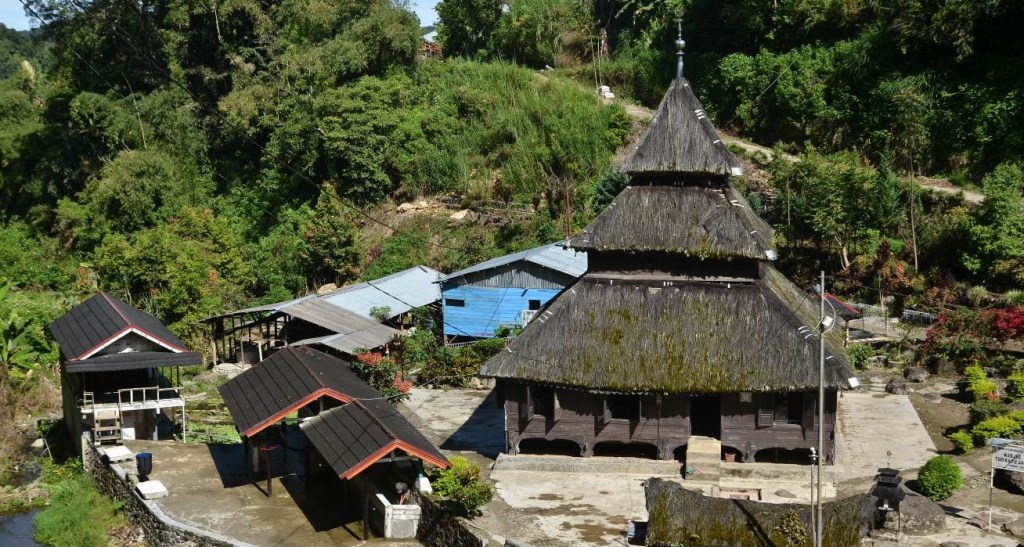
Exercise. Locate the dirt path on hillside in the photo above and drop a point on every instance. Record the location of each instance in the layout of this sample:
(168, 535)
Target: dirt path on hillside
(643, 115)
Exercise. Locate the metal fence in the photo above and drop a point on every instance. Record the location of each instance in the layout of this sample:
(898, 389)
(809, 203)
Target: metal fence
(508, 340)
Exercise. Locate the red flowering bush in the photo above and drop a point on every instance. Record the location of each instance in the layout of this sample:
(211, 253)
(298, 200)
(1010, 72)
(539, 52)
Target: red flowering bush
(965, 336)
(383, 373)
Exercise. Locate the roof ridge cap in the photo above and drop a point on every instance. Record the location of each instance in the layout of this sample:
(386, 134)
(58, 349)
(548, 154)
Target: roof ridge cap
(375, 419)
(120, 313)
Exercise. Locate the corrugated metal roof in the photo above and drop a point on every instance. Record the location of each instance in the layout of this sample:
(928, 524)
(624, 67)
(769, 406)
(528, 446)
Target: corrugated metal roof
(368, 338)
(554, 256)
(353, 330)
(400, 291)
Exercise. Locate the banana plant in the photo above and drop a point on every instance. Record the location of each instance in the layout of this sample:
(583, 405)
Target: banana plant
(17, 359)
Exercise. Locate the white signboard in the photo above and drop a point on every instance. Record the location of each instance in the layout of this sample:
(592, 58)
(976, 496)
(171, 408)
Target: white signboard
(1010, 458)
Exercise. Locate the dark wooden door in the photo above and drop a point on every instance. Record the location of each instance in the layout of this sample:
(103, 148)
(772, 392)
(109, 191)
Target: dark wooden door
(706, 416)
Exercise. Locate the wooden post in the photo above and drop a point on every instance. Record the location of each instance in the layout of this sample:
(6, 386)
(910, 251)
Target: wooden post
(366, 506)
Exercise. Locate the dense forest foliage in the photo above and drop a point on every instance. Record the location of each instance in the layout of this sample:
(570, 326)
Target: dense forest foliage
(193, 157)
(870, 93)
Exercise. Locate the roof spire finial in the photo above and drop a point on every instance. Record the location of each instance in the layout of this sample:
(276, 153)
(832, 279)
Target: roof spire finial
(680, 44)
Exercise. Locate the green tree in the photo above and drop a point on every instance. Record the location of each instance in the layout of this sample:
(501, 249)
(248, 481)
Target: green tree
(997, 234)
(330, 253)
(465, 27)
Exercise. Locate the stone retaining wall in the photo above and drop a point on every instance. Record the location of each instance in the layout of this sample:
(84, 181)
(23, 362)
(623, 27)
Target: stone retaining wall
(438, 528)
(118, 480)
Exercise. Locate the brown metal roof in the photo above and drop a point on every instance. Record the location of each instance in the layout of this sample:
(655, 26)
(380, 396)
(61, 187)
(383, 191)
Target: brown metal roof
(354, 436)
(286, 381)
(102, 320)
(134, 360)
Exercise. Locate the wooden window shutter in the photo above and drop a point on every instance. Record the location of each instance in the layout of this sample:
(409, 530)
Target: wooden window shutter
(765, 410)
(810, 409)
(526, 406)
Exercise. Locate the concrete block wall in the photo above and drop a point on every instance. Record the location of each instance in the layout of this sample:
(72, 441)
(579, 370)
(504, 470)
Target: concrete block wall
(118, 481)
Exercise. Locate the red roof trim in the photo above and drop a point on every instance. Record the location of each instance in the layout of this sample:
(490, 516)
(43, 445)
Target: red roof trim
(369, 460)
(383, 451)
(293, 407)
(427, 457)
(839, 301)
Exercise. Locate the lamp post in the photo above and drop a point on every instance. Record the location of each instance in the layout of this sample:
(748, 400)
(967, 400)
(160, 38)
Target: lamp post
(819, 531)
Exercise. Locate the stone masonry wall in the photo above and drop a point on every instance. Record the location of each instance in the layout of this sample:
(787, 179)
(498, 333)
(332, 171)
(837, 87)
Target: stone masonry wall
(118, 480)
(439, 529)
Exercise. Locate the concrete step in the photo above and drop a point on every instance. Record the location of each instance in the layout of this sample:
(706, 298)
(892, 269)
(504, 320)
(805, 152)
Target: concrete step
(597, 464)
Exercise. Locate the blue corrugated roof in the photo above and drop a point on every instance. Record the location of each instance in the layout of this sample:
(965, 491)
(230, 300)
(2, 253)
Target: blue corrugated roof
(553, 256)
(400, 291)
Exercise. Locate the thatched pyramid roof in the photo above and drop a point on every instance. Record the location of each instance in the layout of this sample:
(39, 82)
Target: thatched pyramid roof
(703, 222)
(681, 140)
(696, 337)
(679, 296)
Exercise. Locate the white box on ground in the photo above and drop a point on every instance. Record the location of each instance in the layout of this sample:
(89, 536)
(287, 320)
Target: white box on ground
(118, 453)
(151, 490)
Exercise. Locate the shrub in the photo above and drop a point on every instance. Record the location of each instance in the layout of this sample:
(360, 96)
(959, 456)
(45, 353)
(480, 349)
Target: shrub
(1015, 386)
(939, 478)
(978, 384)
(1000, 426)
(962, 440)
(985, 409)
(1017, 416)
(460, 486)
(859, 355)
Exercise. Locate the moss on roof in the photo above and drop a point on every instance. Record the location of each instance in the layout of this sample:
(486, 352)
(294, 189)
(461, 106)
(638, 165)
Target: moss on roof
(702, 222)
(681, 518)
(688, 338)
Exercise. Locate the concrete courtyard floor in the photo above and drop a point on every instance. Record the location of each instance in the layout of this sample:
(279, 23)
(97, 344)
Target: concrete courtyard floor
(209, 489)
(877, 429)
(565, 508)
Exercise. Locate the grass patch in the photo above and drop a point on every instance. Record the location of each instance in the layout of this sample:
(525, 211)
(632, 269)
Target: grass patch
(76, 514)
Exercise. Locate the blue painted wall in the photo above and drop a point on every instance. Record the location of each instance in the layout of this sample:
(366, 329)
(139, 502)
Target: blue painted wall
(488, 308)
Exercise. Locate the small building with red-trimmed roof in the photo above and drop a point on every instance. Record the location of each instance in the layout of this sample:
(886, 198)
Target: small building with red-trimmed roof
(293, 380)
(348, 429)
(115, 365)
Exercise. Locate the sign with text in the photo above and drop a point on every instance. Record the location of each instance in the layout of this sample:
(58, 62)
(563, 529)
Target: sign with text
(1010, 458)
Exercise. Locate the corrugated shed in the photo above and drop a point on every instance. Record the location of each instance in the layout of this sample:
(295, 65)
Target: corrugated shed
(344, 322)
(487, 308)
(524, 275)
(553, 256)
(688, 338)
(681, 140)
(400, 292)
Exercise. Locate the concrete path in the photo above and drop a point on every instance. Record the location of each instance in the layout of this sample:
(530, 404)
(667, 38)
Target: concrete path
(210, 489)
(458, 419)
(872, 424)
(572, 509)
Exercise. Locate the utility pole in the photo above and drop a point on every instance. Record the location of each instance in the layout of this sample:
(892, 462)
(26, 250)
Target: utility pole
(913, 229)
(819, 532)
